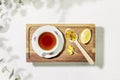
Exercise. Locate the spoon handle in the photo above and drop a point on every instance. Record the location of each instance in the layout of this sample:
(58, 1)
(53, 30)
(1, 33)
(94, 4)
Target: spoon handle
(85, 54)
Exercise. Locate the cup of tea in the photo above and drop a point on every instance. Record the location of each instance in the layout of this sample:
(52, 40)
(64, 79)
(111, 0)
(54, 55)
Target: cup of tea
(45, 41)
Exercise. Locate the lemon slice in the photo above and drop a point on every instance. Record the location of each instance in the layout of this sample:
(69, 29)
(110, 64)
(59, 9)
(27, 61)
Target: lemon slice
(85, 36)
(70, 49)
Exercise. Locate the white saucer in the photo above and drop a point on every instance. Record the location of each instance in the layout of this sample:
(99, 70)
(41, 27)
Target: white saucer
(59, 36)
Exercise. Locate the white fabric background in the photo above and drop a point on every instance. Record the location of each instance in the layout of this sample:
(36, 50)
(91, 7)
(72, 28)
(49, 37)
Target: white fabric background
(104, 13)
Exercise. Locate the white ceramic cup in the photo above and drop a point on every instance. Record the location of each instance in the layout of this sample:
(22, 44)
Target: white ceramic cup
(35, 39)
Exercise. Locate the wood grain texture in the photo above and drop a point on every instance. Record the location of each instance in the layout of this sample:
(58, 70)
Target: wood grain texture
(31, 56)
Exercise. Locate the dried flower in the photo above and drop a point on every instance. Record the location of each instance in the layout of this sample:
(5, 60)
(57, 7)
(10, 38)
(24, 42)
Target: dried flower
(0, 2)
(37, 4)
(1, 59)
(4, 69)
(18, 1)
(18, 77)
(12, 73)
(8, 4)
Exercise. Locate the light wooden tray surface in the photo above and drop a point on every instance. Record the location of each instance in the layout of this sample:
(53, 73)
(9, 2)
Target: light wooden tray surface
(31, 56)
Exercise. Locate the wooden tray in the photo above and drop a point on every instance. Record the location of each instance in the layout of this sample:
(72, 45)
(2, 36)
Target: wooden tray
(31, 56)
